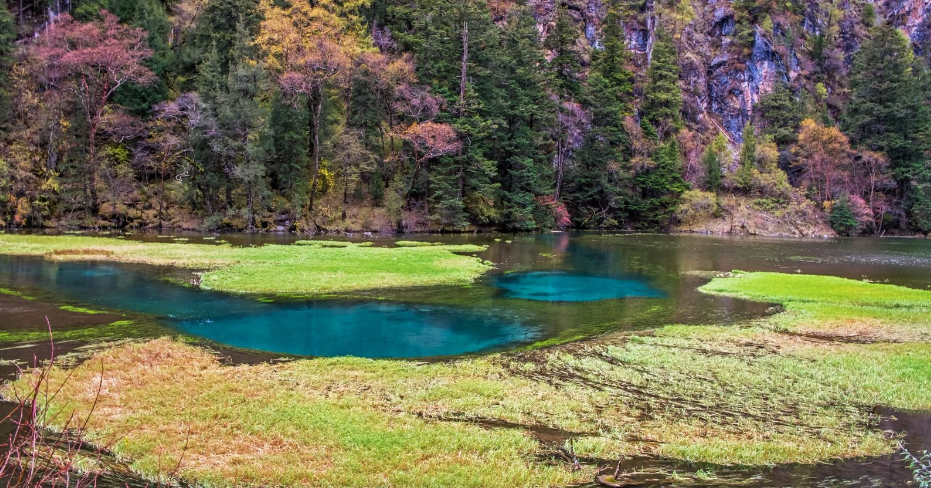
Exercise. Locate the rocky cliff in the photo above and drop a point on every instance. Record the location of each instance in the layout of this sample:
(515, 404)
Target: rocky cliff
(733, 53)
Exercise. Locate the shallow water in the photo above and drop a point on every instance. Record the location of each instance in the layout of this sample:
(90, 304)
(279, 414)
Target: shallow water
(553, 285)
(545, 286)
(558, 286)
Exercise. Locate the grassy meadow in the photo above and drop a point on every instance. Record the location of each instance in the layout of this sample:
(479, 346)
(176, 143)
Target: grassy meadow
(306, 269)
(795, 387)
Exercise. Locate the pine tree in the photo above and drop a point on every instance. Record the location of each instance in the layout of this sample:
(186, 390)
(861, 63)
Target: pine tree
(601, 180)
(662, 101)
(442, 34)
(660, 187)
(842, 220)
(288, 160)
(7, 44)
(887, 111)
(523, 111)
(564, 66)
(920, 200)
(747, 159)
(713, 161)
(780, 115)
(242, 120)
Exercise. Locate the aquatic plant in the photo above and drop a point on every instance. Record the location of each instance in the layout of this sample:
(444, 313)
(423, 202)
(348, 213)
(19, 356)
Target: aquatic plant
(920, 464)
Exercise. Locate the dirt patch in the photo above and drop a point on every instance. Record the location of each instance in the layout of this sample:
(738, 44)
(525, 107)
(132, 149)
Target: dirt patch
(82, 252)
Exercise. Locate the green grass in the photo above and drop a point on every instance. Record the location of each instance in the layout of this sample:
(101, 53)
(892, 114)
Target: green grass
(796, 288)
(314, 268)
(753, 394)
(119, 329)
(299, 424)
(835, 307)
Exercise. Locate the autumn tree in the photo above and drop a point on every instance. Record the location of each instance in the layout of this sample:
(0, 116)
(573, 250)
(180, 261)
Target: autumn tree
(93, 60)
(822, 154)
(308, 47)
(888, 113)
(429, 140)
(870, 180)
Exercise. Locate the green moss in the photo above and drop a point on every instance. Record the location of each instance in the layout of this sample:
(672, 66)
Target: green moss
(7, 291)
(315, 268)
(836, 307)
(87, 311)
(415, 244)
(119, 329)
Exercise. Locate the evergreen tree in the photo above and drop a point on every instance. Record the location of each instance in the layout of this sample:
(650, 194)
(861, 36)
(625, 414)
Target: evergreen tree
(780, 115)
(241, 120)
(660, 187)
(564, 66)
(523, 111)
(921, 200)
(216, 26)
(7, 44)
(713, 161)
(447, 36)
(662, 102)
(601, 180)
(747, 159)
(842, 220)
(288, 161)
(887, 112)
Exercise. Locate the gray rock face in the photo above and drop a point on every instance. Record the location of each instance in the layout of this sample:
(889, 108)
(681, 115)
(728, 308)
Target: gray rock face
(721, 81)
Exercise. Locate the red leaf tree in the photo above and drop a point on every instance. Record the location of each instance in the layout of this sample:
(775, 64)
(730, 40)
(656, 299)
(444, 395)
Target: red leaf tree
(92, 60)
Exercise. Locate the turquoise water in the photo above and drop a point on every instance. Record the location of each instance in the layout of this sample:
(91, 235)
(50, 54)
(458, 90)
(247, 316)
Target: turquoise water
(310, 328)
(558, 286)
(544, 286)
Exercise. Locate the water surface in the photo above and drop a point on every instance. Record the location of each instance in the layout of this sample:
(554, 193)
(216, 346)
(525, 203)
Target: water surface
(552, 285)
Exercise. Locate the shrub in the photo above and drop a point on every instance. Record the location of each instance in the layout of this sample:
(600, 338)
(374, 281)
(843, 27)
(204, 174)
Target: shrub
(696, 205)
(843, 220)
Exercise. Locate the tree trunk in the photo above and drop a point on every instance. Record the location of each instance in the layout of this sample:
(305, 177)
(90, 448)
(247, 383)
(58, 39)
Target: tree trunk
(465, 65)
(91, 187)
(316, 107)
(251, 202)
(463, 76)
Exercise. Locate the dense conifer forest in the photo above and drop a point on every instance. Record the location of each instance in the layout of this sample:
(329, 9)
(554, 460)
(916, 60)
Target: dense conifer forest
(447, 115)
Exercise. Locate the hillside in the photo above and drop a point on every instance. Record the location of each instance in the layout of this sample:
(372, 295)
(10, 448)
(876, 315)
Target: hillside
(439, 115)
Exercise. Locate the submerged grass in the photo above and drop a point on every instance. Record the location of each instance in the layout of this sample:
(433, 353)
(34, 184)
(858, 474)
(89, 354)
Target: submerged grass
(120, 329)
(750, 395)
(311, 268)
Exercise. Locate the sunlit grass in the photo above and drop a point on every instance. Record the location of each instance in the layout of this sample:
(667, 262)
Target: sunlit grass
(309, 268)
(266, 426)
(835, 307)
(753, 394)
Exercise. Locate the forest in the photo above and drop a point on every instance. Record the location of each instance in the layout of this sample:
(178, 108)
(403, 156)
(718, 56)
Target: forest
(449, 116)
